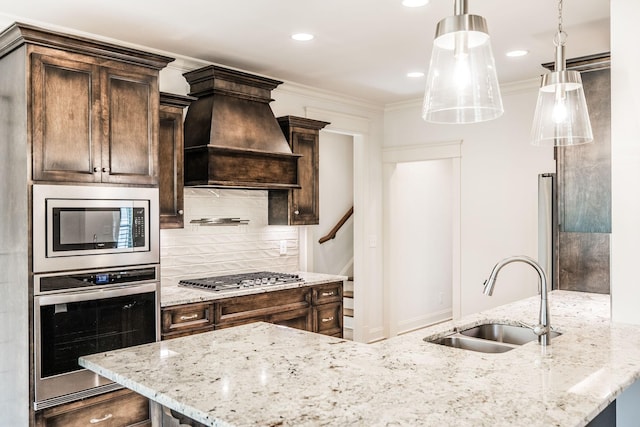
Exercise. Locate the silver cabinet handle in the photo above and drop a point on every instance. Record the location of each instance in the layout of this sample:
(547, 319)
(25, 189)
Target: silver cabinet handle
(296, 212)
(190, 317)
(327, 294)
(180, 212)
(327, 319)
(99, 420)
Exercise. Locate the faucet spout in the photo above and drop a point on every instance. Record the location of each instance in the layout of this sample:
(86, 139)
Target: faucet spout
(544, 326)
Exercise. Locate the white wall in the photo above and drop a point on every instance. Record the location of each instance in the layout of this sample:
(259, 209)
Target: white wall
(625, 176)
(336, 197)
(420, 244)
(625, 161)
(499, 171)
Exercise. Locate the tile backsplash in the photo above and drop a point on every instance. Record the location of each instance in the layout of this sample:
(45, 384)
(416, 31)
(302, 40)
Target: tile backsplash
(201, 251)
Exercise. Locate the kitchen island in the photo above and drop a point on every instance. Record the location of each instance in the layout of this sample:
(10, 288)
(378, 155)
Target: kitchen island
(263, 374)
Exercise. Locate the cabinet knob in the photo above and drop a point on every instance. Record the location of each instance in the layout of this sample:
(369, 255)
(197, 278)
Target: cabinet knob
(105, 169)
(296, 212)
(95, 169)
(180, 212)
(327, 319)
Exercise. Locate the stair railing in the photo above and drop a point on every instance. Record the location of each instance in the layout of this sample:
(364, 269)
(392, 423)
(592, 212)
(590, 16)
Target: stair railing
(334, 230)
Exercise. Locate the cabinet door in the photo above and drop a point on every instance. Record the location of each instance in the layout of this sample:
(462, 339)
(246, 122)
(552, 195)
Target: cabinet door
(170, 176)
(130, 100)
(305, 201)
(65, 119)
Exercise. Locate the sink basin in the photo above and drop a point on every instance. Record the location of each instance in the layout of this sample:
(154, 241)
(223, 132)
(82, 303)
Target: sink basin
(473, 344)
(509, 334)
(489, 338)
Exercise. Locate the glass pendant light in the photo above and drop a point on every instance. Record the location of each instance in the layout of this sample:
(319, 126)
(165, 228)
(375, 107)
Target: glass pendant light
(462, 85)
(561, 116)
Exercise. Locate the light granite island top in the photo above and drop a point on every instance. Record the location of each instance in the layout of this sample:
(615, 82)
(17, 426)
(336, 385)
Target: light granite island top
(262, 374)
(173, 294)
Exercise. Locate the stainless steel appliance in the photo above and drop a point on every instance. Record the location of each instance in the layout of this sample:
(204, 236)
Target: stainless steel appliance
(241, 281)
(78, 227)
(547, 231)
(85, 312)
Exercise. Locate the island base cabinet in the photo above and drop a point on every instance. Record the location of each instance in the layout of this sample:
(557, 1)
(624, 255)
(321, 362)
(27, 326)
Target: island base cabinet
(119, 408)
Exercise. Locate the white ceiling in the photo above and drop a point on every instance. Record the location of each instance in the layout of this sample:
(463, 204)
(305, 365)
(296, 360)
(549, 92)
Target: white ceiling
(363, 48)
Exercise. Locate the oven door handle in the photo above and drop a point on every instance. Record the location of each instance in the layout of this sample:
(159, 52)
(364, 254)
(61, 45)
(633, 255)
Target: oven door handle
(94, 294)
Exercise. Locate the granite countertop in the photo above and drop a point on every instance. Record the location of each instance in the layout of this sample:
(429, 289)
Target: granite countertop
(262, 374)
(172, 294)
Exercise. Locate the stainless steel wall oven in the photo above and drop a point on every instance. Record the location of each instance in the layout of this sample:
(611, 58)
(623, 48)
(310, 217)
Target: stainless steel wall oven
(96, 282)
(85, 312)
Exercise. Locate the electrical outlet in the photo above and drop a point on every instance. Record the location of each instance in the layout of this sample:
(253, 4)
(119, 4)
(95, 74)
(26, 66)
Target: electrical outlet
(283, 247)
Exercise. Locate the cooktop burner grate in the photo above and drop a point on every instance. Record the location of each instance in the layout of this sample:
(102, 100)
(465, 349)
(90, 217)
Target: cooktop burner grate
(241, 281)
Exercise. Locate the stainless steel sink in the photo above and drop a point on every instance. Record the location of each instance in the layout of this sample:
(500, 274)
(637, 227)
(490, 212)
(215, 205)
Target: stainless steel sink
(489, 338)
(473, 344)
(510, 334)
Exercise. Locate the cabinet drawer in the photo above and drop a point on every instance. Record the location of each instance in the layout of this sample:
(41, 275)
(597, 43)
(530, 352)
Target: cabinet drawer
(183, 319)
(327, 319)
(251, 308)
(116, 409)
(299, 319)
(329, 292)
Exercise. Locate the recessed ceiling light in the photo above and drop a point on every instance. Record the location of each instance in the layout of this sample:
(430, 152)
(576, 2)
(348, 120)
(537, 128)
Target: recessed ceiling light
(302, 37)
(415, 3)
(516, 53)
(415, 74)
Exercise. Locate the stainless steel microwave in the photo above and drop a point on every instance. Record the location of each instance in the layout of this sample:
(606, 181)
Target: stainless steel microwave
(79, 227)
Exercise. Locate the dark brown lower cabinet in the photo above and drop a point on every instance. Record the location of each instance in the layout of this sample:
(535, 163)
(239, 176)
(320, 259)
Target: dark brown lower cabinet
(119, 408)
(316, 308)
(187, 319)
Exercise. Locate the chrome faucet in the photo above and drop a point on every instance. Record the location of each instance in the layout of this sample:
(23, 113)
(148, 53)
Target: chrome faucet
(542, 330)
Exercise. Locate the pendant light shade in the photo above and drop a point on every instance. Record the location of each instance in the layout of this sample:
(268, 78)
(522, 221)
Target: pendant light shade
(462, 85)
(561, 117)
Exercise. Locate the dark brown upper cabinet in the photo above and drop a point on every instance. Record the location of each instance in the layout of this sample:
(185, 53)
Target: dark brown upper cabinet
(92, 114)
(93, 123)
(170, 159)
(299, 206)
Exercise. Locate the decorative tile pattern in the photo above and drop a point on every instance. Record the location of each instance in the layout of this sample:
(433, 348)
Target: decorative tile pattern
(262, 374)
(199, 251)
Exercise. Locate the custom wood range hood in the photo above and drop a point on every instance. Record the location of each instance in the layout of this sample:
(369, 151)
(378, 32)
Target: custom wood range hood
(231, 136)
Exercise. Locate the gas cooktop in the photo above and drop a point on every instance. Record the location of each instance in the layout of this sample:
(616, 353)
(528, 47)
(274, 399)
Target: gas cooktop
(241, 281)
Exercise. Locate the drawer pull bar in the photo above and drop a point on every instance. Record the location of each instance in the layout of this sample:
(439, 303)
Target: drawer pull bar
(99, 420)
(327, 319)
(327, 294)
(190, 317)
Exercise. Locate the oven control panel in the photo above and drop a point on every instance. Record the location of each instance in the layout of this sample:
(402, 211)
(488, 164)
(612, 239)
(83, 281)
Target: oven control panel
(73, 281)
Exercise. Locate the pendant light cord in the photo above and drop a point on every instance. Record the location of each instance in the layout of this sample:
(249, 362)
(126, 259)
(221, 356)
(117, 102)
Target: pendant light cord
(561, 37)
(559, 16)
